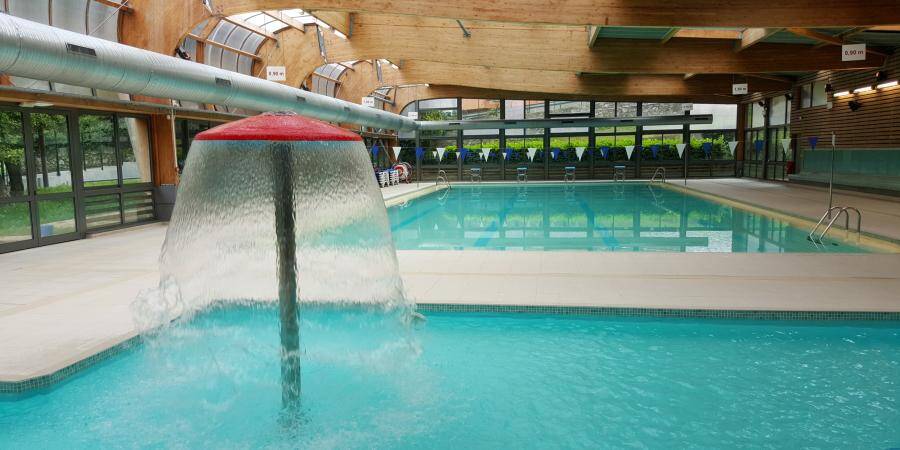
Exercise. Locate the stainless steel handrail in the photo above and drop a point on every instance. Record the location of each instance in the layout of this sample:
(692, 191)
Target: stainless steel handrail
(661, 172)
(840, 210)
(442, 176)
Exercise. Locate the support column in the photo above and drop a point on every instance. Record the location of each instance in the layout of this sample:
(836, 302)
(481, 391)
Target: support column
(165, 164)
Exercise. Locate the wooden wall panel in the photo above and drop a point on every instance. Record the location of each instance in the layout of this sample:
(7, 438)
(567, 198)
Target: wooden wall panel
(876, 125)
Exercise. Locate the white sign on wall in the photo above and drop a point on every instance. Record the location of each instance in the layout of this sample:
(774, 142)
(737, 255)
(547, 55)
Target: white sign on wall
(739, 89)
(414, 115)
(276, 73)
(853, 52)
(368, 101)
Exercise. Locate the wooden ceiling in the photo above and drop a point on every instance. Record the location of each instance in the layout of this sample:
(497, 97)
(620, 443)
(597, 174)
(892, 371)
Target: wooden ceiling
(630, 48)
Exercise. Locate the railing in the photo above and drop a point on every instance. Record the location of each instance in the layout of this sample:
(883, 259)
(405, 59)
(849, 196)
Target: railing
(660, 172)
(840, 210)
(442, 177)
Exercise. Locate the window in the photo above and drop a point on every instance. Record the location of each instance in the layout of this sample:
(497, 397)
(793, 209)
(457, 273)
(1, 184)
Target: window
(819, 96)
(565, 107)
(806, 96)
(13, 182)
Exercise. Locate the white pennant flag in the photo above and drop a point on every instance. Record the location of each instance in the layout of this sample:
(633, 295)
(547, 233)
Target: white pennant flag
(531, 152)
(786, 145)
(486, 153)
(395, 152)
(731, 146)
(680, 148)
(579, 151)
(441, 151)
(629, 149)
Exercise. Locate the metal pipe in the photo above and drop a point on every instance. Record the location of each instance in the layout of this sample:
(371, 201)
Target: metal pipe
(34, 50)
(563, 123)
(831, 177)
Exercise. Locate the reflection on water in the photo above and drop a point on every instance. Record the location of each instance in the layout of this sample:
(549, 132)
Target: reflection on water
(600, 217)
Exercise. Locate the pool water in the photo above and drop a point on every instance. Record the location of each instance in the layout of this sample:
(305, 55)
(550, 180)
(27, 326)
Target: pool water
(599, 217)
(481, 381)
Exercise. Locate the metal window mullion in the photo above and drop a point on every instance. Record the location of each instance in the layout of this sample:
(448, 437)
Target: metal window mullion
(30, 193)
(76, 167)
(119, 162)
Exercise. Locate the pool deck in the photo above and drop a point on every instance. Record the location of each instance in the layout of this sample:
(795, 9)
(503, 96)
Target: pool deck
(63, 303)
(880, 213)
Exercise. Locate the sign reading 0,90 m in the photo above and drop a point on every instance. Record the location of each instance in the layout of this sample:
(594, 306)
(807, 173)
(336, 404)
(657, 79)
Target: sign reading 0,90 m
(853, 52)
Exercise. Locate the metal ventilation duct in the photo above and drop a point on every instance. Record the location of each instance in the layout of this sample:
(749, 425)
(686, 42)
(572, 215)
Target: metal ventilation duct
(34, 50)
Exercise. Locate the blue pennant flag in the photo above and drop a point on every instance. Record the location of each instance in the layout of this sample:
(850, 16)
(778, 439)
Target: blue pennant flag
(758, 145)
(604, 151)
(420, 152)
(508, 153)
(813, 140)
(375, 151)
(654, 149)
(555, 152)
(707, 148)
(463, 153)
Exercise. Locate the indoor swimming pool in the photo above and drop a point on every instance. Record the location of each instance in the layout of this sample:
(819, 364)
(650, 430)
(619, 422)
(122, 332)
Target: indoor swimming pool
(592, 216)
(480, 380)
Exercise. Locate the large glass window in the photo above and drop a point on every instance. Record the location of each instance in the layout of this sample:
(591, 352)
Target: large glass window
(134, 145)
(15, 222)
(567, 107)
(52, 153)
(13, 179)
(98, 150)
(57, 217)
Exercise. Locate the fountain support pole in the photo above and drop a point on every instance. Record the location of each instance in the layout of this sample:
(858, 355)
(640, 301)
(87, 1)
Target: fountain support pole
(285, 233)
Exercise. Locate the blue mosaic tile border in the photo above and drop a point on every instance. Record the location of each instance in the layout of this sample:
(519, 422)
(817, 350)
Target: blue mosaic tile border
(610, 311)
(44, 381)
(19, 387)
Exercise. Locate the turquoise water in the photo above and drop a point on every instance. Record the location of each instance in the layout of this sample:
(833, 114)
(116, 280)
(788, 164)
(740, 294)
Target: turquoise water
(482, 381)
(599, 217)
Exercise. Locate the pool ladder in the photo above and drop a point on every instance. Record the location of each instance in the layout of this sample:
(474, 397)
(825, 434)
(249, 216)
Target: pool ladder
(659, 175)
(840, 210)
(442, 177)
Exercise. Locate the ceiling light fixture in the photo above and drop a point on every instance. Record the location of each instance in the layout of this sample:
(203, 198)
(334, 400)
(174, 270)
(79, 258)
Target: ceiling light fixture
(862, 89)
(842, 94)
(888, 84)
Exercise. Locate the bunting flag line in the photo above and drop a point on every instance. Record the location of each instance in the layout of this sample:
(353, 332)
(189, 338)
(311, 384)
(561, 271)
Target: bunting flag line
(395, 153)
(555, 152)
(579, 151)
(531, 152)
(463, 154)
(707, 149)
(813, 140)
(420, 153)
(441, 151)
(629, 149)
(680, 148)
(654, 149)
(375, 151)
(786, 145)
(604, 152)
(509, 152)
(758, 146)
(732, 145)
(485, 153)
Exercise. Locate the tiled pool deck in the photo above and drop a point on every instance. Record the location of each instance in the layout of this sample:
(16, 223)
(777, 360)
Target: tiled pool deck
(67, 302)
